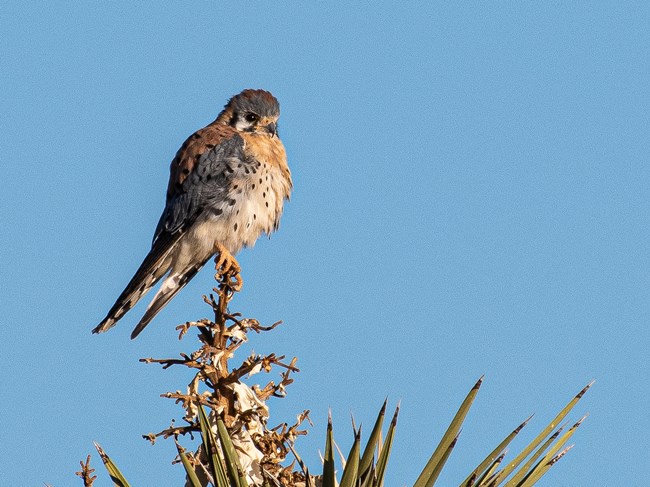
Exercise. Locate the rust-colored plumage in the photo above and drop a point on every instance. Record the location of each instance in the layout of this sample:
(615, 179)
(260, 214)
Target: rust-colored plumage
(227, 186)
(192, 149)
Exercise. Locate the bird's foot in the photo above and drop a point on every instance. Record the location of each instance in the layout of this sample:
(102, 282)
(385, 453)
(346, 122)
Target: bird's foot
(228, 269)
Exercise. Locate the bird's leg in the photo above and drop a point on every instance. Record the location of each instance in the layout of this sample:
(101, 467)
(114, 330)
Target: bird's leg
(227, 267)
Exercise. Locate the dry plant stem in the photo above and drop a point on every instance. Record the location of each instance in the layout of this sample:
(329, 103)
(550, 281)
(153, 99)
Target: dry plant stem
(86, 473)
(215, 383)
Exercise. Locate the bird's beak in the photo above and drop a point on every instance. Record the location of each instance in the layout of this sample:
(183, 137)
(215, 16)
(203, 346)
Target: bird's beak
(272, 128)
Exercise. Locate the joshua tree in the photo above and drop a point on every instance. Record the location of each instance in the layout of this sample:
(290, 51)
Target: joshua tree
(240, 449)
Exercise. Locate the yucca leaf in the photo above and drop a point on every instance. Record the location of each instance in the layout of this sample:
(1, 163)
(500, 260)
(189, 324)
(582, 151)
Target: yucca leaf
(351, 471)
(488, 474)
(508, 469)
(555, 459)
(426, 478)
(382, 460)
(212, 451)
(494, 454)
(562, 440)
(116, 476)
(534, 475)
(526, 468)
(329, 476)
(469, 481)
(370, 477)
(541, 471)
(369, 451)
(546, 461)
(235, 471)
(443, 460)
(191, 474)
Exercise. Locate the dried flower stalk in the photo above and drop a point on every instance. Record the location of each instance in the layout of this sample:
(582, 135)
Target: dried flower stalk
(218, 387)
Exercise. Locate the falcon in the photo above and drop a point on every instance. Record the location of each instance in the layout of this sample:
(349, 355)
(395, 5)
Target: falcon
(227, 186)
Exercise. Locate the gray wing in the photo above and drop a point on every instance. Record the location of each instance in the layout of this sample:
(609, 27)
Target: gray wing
(207, 184)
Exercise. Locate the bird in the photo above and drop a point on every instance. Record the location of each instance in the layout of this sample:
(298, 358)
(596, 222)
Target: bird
(227, 186)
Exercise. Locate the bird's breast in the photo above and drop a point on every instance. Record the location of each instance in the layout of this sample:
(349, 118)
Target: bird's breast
(254, 201)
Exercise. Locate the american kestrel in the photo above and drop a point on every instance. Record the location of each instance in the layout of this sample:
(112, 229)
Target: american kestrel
(227, 186)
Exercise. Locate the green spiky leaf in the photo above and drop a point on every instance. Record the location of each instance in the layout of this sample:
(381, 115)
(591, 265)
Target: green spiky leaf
(189, 470)
(351, 471)
(433, 467)
(371, 446)
(382, 460)
(212, 451)
(329, 476)
(511, 466)
(495, 454)
(116, 476)
(235, 471)
(548, 460)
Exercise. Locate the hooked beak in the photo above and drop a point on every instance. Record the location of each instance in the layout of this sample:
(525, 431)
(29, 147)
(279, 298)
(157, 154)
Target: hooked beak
(272, 128)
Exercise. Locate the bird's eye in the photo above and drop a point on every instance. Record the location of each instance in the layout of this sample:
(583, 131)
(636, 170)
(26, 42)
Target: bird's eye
(251, 118)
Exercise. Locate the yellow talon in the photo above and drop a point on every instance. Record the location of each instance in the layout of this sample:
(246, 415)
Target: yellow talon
(227, 266)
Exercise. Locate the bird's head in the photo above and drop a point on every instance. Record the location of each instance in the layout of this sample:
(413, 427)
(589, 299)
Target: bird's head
(254, 111)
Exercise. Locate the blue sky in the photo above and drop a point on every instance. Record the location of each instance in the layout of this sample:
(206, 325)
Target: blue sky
(471, 197)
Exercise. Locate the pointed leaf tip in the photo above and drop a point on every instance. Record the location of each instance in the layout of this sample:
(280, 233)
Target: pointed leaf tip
(383, 407)
(585, 389)
(366, 465)
(579, 422)
(395, 414)
(354, 425)
(523, 424)
(114, 472)
(101, 452)
(555, 459)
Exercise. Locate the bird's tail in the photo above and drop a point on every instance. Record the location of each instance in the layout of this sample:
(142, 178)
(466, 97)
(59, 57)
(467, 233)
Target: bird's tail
(154, 266)
(170, 287)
